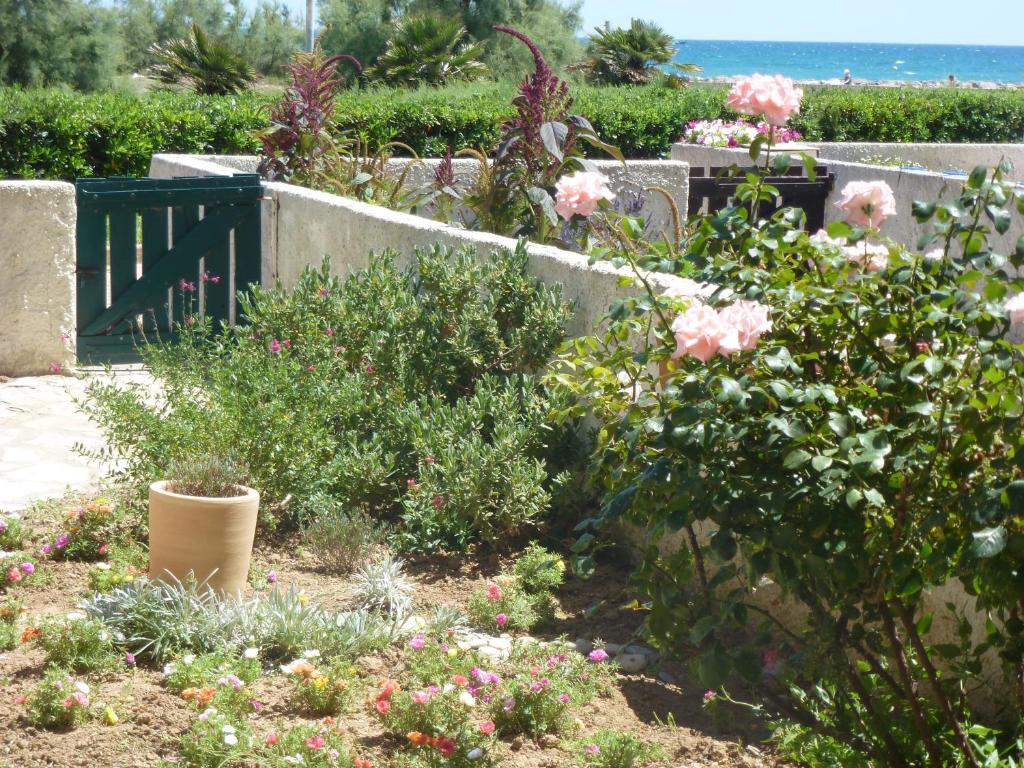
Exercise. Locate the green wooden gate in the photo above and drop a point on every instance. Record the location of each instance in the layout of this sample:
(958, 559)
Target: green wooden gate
(153, 251)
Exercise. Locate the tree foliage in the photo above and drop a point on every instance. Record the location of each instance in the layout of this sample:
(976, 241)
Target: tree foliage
(617, 56)
(207, 65)
(427, 49)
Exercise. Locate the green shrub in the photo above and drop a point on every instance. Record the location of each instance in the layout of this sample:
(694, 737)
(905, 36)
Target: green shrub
(12, 534)
(521, 597)
(616, 749)
(326, 690)
(58, 134)
(58, 700)
(341, 541)
(406, 394)
(76, 643)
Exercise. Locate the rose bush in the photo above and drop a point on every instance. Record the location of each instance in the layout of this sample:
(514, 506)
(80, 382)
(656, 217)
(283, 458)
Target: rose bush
(862, 449)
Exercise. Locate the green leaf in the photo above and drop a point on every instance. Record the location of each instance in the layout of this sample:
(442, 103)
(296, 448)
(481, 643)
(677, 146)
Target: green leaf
(989, 542)
(713, 668)
(796, 459)
(977, 177)
(924, 624)
(755, 147)
(723, 544)
(912, 585)
(853, 498)
(821, 463)
(810, 164)
(701, 628)
(582, 543)
(1000, 218)
(923, 211)
(553, 135)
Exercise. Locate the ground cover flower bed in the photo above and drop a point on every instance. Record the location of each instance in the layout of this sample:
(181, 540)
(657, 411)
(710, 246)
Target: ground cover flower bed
(134, 711)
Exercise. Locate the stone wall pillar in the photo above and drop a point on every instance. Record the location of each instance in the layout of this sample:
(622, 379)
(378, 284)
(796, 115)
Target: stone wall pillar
(37, 277)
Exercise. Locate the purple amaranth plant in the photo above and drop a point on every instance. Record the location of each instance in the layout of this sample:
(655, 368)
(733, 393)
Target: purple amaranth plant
(300, 122)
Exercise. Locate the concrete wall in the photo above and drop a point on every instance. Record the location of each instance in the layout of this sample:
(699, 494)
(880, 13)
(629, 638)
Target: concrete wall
(303, 225)
(37, 262)
(934, 157)
(907, 186)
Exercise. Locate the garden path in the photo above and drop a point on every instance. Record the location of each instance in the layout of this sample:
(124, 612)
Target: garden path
(40, 424)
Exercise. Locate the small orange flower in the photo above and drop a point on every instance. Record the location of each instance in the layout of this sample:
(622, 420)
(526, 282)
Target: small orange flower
(188, 694)
(328, 720)
(417, 739)
(31, 633)
(361, 762)
(205, 695)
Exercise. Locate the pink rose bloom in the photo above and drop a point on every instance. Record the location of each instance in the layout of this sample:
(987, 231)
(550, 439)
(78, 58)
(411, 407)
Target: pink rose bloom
(698, 333)
(501, 619)
(867, 203)
(872, 258)
(773, 97)
(745, 321)
(1015, 308)
(823, 241)
(580, 193)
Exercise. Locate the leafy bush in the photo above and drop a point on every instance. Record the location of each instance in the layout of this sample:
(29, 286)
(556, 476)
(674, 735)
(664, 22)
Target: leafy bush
(860, 449)
(624, 56)
(58, 134)
(58, 700)
(404, 394)
(203, 671)
(616, 749)
(12, 534)
(428, 49)
(76, 643)
(87, 531)
(329, 689)
(521, 597)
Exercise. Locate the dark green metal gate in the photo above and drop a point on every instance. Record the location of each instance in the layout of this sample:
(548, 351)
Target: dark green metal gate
(152, 252)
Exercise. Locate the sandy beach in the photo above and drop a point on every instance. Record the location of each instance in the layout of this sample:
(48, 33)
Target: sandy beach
(975, 85)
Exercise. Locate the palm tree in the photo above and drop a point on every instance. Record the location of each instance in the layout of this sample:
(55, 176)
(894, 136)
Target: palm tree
(629, 56)
(428, 49)
(208, 66)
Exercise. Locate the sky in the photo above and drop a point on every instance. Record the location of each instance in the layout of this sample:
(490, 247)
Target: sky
(981, 22)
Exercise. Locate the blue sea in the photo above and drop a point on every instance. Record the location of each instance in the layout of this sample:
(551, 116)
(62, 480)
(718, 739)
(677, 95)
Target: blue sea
(866, 61)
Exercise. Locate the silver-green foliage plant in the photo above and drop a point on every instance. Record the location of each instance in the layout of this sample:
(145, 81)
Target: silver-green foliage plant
(383, 586)
(859, 445)
(340, 540)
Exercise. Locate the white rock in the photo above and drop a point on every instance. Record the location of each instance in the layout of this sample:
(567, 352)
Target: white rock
(490, 651)
(501, 643)
(631, 663)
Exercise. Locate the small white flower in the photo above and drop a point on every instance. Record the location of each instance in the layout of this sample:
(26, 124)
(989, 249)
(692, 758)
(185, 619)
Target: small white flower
(230, 739)
(168, 670)
(76, 616)
(467, 698)
(188, 659)
(104, 636)
(82, 687)
(207, 713)
(311, 654)
(294, 759)
(251, 653)
(103, 566)
(227, 729)
(475, 754)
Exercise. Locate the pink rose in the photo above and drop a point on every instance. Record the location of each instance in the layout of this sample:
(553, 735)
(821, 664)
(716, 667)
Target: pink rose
(871, 258)
(1015, 308)
(580, 194)
(745, 321)
(698, 333)
(774, 97)
(867, 203)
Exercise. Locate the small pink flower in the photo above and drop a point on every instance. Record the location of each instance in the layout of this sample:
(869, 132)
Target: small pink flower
(564, 698)
(411, 483)
(62, 541)
(580, 193)
(27, 568)
(773, 97)
(311, 368)
(867, 203)
(486, 727)
(591, 749)
(709, 696)
(129, 659)
(13, 574)
(272, 577)
(329, 332)
(370, 370)
(55, 368)
(103, 549)
(275, 346)
(493, 592)
(501, 619)
(271, 740)
(185, 285)
(46, 549)
(420, 697)
(428, 459)
(417, 642)
(438, 501)
(315, 742)
(257, 705)
(598, 654)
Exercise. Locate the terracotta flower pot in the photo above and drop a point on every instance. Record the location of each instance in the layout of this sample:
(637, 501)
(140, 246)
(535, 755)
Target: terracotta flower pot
(209, 537)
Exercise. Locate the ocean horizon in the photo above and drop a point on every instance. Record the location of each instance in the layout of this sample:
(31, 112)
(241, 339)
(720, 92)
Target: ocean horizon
(866, 61)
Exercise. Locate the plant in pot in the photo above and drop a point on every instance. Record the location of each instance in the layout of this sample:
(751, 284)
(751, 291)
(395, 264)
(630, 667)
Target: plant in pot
(202, 523)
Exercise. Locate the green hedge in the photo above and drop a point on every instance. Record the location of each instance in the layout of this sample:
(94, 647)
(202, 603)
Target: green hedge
(53, 134)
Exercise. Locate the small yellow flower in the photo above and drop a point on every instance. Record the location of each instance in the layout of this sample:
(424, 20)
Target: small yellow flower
(303, 599)
(110, 716)
(320, 683)
(453, 651)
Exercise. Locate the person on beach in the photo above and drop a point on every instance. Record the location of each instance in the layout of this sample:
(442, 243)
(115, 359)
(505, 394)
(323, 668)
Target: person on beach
(952, 81)
(847, 77)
